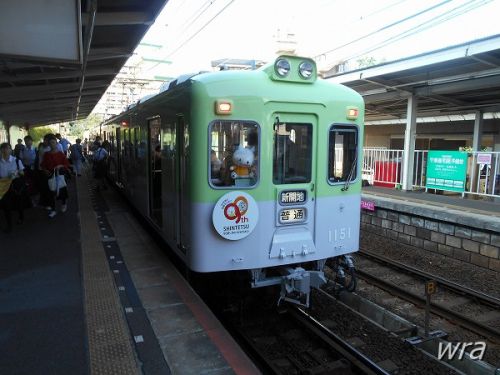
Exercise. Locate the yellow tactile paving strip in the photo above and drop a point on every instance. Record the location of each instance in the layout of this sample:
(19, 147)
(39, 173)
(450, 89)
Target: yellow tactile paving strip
(110, 347)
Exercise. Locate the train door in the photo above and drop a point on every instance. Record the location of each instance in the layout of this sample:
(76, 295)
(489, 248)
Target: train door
(117, 155)
(181, 180)
(169, 184)
(154, 157)
(294, 176)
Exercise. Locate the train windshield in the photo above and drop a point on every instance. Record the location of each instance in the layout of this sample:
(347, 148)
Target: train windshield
(292, 154)
(234, 154)
(343, 150)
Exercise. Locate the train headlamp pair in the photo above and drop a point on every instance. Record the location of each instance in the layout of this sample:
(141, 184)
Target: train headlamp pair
(283, 67)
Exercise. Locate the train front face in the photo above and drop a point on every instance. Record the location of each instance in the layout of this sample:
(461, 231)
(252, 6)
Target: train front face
(276, 182)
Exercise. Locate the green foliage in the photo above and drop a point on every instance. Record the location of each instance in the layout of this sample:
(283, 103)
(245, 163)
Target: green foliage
(76, 128)
(38, 133)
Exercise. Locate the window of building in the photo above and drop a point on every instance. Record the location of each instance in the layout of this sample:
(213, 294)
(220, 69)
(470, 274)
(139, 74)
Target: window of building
(233, 153)
(343, 151)
(292, 156)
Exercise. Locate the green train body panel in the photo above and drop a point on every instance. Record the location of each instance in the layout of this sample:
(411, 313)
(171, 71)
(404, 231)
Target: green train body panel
(256, 97)
(187, 206)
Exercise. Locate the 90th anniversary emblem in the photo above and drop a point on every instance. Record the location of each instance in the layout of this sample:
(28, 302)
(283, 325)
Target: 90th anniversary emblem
(235, 215)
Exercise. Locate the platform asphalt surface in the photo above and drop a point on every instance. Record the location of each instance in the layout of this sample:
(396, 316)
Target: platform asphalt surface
(42, 326)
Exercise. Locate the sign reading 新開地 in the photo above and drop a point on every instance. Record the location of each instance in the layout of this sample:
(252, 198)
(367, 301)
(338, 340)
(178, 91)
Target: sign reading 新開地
(446, 170)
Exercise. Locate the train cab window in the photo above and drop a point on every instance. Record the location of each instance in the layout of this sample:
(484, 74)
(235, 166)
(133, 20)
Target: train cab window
(343, 151)
(233, 154)
(292, 154)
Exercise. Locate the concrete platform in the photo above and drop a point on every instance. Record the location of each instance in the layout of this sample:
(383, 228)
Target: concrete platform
(191, 339)
(89, 292)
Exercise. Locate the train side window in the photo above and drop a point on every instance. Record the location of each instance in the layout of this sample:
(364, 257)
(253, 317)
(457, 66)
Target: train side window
(342, 154)
(233, 154)
(292, 155)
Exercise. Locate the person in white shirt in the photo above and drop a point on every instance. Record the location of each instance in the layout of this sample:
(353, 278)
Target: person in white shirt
(28, 155)
(10, 168)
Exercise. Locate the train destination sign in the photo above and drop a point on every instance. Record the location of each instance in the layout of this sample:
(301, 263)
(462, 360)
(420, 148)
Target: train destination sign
(294, 215)
(235, 215)
(446, 170)
(293, 196)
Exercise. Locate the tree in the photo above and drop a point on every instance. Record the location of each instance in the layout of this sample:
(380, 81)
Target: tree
(38, 133)
(76, 128)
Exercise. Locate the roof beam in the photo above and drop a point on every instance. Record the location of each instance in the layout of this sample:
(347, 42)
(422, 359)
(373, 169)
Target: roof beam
(445, 99)
(41, 104)
(19, 93)
(450, 87)
(58, 75)
(119, 18)
(43, 95)
(385, 96)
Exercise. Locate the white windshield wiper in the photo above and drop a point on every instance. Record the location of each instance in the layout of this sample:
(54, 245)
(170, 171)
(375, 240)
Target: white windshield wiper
(351, 174)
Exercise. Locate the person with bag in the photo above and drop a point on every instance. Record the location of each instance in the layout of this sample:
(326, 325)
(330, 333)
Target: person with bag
(55, 165)
(13, 189)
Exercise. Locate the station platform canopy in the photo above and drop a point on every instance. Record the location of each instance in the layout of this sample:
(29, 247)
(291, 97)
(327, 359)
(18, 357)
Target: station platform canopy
(456, 80)
(58, 57)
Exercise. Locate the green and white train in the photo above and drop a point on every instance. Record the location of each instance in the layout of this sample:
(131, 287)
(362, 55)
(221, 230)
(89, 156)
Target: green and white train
(255, 171)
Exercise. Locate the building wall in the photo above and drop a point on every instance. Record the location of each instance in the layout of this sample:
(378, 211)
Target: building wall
(436, 135)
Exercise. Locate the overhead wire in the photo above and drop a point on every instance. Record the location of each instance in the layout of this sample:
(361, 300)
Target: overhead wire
(395, 23)
(435, 21)
(197, 14)
(196, 32)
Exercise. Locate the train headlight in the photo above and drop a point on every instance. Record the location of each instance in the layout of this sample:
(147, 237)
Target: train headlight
(352, 113)
(282, 67)
(306, 69)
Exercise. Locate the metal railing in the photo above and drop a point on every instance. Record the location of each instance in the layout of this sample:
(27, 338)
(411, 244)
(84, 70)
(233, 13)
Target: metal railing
(384, 167)
(483, 173)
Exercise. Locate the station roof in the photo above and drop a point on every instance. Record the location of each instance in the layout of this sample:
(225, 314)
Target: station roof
(47, 91)
(454, 80)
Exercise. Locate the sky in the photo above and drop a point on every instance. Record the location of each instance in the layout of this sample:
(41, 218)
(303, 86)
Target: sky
(192, 33)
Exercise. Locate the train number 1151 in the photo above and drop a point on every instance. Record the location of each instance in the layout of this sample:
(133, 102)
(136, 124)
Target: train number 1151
(339, 234)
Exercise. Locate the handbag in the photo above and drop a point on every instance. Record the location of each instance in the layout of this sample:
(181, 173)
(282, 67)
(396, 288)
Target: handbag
(57, 181)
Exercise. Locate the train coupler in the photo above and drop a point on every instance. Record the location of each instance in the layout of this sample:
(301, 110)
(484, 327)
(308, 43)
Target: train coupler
(296, 285)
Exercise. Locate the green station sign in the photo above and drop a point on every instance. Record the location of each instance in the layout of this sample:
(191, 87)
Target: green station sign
(446, 170)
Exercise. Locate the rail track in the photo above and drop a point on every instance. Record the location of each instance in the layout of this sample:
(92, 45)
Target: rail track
(453, 290)
(293, 342)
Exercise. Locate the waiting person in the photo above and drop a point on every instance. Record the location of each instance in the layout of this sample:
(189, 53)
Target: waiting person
(28, 155)
(41, 177)
(64, 143)
(54, 161)
(11, 195)
(77, 157)
(85, 146)
(100, 165)
(19, 148)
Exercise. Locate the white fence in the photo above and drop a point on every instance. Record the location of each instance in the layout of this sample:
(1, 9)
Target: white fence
(384, 167)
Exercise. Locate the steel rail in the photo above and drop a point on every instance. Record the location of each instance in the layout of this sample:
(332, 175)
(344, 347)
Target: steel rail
(455, 287)
(457, 318)
(360, 361)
